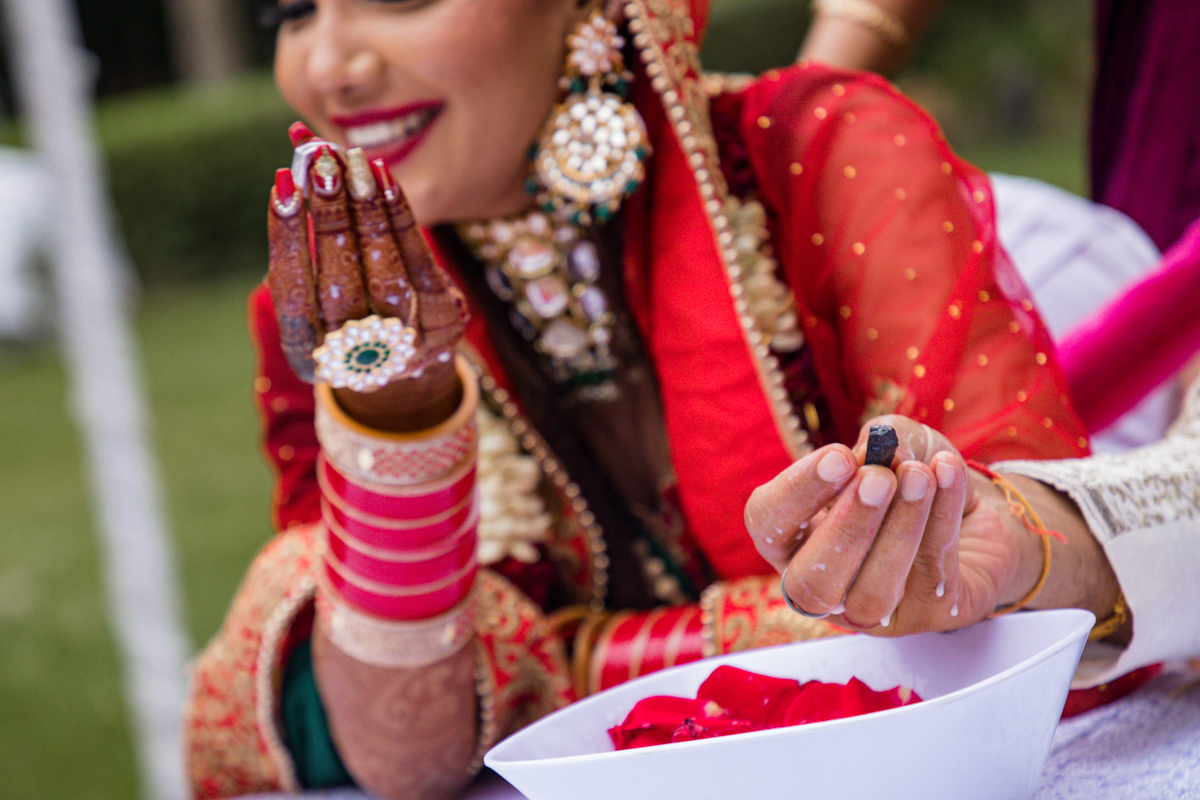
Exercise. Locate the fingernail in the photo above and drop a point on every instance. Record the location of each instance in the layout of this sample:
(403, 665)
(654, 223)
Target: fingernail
(327, 172)
(361, 181)
(873, 489)
(299, 133)
(945, 474)
(834, 467)
(839, 609)
(383, 176)
(914, 485)
(286, 202)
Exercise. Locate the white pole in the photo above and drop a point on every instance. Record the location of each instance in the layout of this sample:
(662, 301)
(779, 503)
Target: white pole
(91, 278)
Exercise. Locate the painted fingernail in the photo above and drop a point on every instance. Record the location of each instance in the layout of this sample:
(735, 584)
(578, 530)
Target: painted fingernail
(287, 202)
(834, 467)
(327, 173)
(299, 133)
(383, 176)
(946, 474)
(873, 489)
(360, 180)
(914, 486)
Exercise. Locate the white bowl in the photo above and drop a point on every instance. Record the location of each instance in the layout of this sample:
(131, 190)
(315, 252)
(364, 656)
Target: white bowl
(992, 694)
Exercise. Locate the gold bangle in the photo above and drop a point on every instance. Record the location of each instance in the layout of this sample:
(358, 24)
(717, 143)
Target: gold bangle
(1020, 507)
(1109, 625)
(868, 15)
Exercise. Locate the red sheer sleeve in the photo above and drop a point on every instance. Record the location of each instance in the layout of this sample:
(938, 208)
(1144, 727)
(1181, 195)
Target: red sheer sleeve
(908, 301)
(286, 407)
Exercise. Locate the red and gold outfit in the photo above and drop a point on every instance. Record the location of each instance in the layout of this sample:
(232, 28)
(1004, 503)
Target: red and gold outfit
(905, 301)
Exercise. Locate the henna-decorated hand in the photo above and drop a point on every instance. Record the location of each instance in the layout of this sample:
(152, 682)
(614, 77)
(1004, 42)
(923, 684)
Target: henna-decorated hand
(352, 249)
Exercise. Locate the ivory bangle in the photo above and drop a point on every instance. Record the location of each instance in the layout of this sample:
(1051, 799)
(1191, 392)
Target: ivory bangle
(386, 643)
(399, 459)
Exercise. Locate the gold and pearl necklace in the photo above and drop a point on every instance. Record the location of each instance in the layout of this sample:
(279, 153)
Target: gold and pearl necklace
(548, 271)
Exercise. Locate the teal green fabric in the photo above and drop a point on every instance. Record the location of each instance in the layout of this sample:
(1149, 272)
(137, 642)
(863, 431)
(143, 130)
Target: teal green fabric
(305, 731)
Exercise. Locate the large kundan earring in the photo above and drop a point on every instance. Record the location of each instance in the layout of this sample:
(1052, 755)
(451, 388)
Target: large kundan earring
(591, 152)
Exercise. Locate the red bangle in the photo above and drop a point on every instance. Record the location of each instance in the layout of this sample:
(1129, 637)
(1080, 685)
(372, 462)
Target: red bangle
(404, 602)
(431, 499)
(429, 534)
(399, 568)
(646, 642)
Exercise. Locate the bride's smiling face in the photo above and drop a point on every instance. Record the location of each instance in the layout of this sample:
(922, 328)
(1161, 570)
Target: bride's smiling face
(450, 93)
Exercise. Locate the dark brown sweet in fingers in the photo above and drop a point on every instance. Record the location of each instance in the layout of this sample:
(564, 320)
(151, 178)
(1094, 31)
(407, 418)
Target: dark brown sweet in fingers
(335, 244)
(388, 289)
(441, 307)
(290, 276)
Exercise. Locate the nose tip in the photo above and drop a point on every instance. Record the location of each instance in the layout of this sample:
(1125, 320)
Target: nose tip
(342, 65)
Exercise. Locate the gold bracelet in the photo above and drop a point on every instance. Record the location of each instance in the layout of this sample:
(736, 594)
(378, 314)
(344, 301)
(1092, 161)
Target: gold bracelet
(866, 14)
(1020, 507)
(1108, 626)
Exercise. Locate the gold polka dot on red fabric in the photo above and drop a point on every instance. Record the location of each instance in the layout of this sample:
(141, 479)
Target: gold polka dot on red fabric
(838, 89)
(978, 196)
(912, 353)
(764, 122)
(796, 168)
(946, 168)
(845, 312)
(1014, 327)
(919, 370)
(287, 453)
(1022, 396)
(1040, 358)
(983, 361)
(872, 334)
(977, 246)
(948, 226)
(820, 113)
(1027, 305)
(1082, 442)
(910, 274)
(262, 384)
(1049, 423)
(900, 140)
(818, 239)
(859, 248)
(849, 172)
(948, 404)
(984, 296)
(955, 312)
(901, 194)
(850, 118)
(279, 405)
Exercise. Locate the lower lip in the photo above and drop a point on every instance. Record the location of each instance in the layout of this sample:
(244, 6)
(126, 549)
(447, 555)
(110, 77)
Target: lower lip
(394, 154)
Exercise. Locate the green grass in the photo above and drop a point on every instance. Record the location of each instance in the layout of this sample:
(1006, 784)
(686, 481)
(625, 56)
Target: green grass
(62, 718)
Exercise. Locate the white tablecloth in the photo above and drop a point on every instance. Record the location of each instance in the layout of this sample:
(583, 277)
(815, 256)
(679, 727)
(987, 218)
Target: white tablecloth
(1145, 746)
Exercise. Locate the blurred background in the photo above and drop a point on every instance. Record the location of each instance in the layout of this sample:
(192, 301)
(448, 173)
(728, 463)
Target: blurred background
(191, 130)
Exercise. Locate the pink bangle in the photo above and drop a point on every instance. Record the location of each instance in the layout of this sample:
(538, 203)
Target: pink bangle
(398, 568)
(433, 499)
(418, 602)
(417, 544)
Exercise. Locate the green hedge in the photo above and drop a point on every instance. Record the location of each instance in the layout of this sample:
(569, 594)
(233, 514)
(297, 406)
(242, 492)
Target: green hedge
(191, 171)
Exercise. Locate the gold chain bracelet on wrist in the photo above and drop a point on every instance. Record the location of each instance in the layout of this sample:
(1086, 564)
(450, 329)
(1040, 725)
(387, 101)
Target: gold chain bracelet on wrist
(867, 14)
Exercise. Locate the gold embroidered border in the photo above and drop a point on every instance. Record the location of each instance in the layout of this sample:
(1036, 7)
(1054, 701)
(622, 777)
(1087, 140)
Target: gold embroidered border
(665, 35)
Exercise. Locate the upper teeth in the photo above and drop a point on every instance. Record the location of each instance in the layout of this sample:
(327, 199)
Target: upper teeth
(379, 133)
